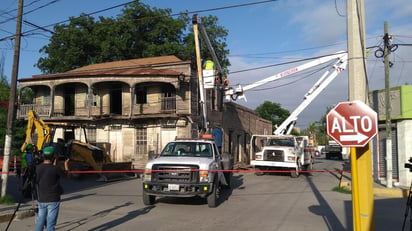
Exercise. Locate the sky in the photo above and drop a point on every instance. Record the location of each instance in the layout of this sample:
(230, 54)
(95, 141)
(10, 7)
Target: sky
(267, 33)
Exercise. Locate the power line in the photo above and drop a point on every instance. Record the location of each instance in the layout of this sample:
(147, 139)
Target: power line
(28, 12)
(145, 18)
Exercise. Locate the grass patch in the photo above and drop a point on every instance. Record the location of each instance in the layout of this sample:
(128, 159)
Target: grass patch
(342, 190)
(7, 200)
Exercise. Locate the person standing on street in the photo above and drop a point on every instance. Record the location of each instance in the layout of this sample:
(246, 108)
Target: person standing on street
(48, 176)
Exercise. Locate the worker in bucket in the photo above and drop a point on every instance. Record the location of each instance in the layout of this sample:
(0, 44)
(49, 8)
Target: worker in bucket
(48, 176)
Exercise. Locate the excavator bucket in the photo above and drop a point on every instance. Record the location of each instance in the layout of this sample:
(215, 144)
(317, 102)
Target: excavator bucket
(87, 157)
(115, 171)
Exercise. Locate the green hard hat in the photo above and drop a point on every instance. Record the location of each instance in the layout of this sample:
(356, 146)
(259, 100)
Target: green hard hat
(48, 150)
(29, 146)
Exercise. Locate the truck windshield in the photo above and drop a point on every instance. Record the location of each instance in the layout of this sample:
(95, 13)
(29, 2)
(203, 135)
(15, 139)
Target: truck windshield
(281, 142)
(197, 149)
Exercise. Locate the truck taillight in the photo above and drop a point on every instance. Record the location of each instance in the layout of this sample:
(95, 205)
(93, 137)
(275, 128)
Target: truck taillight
(147, 174)
(204, 176)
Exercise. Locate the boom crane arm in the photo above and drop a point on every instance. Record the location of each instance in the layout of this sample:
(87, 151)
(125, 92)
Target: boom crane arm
(238, 93)
(340, 65)
(198, 26)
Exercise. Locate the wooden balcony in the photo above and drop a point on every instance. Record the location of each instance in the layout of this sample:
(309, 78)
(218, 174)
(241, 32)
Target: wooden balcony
(41, 110)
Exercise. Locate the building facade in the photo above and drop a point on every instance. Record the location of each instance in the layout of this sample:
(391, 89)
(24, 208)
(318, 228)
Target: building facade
(134, 107)
(401, 131)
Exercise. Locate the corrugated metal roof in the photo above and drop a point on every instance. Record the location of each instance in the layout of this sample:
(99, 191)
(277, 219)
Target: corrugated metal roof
(129, 63)
(133, 67)
(103, 73)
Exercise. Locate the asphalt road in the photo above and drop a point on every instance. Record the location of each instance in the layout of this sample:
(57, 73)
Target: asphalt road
(270, 202)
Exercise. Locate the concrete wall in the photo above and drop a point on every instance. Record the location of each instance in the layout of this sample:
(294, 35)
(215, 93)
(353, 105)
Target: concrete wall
(404, 151)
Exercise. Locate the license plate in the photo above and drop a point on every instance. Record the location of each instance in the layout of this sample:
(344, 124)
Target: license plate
(173, 187)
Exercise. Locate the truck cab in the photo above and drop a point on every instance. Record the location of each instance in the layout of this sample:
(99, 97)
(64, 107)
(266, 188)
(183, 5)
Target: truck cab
(280, 152)
(187, 168)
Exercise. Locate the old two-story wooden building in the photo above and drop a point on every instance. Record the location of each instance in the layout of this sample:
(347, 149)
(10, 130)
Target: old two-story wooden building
(137, 106)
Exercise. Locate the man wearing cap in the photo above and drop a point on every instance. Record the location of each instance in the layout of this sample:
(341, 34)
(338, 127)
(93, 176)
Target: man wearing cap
(48, 176)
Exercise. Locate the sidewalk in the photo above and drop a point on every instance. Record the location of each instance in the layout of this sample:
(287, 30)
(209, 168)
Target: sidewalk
(379, 190)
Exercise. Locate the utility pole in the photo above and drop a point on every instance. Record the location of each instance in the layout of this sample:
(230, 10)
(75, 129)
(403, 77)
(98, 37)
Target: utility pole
(361, 158)
(196, 21)
(12, 101)
(386, 52)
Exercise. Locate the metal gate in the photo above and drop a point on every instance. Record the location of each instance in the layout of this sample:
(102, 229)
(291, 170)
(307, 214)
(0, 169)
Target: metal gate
(382, 154)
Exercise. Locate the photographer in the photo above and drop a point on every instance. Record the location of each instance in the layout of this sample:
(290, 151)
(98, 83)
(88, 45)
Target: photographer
(48, 176)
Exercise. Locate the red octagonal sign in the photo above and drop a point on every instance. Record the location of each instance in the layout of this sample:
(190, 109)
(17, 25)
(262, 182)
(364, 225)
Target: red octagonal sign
(352, 123)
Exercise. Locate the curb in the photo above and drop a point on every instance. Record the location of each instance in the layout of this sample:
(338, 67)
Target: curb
(7, 215)
(390, 192)
(382, 192)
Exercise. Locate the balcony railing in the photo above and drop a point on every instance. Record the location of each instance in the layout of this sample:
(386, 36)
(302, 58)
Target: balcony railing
(41, 110)
(168, 104)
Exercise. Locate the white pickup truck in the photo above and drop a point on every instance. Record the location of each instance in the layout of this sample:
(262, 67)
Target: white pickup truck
(187, 168)
(284, 152)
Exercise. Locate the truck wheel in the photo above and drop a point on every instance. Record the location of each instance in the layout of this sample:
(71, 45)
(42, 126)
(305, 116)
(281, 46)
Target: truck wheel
(258, 171)
(296, 172)
(212, 197)
(148, 199)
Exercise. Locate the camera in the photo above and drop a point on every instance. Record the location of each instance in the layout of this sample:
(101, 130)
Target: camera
(409, 165)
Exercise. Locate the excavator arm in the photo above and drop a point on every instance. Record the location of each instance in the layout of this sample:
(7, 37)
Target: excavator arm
(35, 124)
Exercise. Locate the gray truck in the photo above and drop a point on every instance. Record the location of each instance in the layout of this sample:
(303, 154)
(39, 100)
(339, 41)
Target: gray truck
(187, 168)
(333, 151)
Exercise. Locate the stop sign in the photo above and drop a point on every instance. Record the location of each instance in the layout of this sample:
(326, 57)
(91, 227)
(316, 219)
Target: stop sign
(352, 123)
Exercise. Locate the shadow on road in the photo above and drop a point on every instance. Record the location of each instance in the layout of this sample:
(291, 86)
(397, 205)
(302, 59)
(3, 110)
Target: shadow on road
(78, 223)
(324, 209)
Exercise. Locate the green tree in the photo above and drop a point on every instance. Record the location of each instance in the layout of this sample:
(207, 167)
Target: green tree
(272, 111)
(217, 36)
(317, 130)
(4, 97)
(138, 32)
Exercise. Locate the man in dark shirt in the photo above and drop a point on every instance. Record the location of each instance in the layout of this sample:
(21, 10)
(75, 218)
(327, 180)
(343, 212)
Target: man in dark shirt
(48, 176)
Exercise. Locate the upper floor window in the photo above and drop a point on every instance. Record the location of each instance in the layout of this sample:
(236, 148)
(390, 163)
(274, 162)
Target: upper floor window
(168, 91)
(96, 99)
(141, 95)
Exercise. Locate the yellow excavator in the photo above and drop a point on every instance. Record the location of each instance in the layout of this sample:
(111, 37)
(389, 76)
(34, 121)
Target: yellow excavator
(83, 155)
(35, 125)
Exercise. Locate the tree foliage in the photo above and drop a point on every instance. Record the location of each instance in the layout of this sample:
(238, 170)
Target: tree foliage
(19, 127)
(317, 130)
(138, 32)
(272, 111)
(4, 97)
